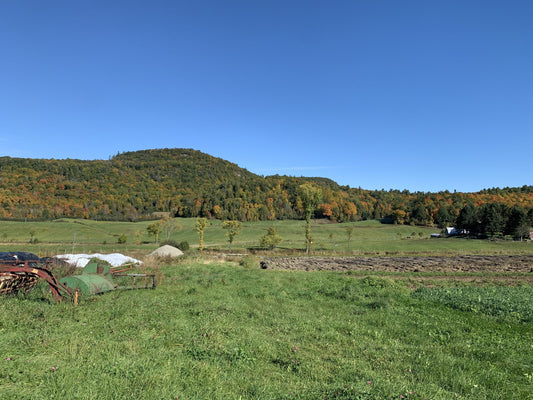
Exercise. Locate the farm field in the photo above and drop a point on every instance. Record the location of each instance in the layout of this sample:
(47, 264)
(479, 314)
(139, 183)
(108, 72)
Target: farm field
(368, 238)
(230, 330)
(508, 269)
(383, 316)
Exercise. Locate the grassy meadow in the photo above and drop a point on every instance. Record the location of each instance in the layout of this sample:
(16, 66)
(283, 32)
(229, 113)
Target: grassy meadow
(368, 238)
(230, 330)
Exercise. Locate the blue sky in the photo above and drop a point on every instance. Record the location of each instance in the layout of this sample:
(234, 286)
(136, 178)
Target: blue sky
(418, 95)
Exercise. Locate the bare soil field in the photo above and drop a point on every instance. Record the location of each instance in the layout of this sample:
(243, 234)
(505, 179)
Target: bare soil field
(510, 268)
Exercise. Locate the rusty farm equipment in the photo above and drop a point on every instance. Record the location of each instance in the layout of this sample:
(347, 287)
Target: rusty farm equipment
(97, 279)
(20, 272)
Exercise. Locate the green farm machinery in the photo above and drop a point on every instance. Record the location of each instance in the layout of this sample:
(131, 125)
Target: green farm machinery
(97, 279)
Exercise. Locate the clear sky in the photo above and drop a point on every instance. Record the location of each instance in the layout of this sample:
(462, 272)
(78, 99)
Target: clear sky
(418, 95)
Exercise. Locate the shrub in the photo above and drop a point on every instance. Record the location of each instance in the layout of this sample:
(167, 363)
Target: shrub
(170, 242)
(183, 246)
(378, 282)
(270, 240)
(249, 261)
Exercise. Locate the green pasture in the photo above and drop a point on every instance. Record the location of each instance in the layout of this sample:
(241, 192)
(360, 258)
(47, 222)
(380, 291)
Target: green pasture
(232, 331)
(368, 238)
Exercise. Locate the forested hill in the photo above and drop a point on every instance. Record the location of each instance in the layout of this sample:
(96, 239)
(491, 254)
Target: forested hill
(189, 183)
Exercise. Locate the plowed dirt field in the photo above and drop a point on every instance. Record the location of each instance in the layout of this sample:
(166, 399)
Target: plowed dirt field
(501, 268)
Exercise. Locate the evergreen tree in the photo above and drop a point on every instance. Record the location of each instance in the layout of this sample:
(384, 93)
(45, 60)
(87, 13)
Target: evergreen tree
(517, 224)
(468, 219)
(444, 217)
(492, 219)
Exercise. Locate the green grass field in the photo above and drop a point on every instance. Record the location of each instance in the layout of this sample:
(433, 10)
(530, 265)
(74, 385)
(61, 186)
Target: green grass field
(229, 330)
(226, 331)
(369, 238)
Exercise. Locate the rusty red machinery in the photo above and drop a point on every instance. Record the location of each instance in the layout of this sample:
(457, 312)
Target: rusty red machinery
(20, 272)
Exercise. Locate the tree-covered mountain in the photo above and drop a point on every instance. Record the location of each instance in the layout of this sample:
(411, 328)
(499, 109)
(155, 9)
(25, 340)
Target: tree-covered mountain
(189, 183)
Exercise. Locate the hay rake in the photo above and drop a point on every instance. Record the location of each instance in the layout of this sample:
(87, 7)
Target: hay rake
(20, 272)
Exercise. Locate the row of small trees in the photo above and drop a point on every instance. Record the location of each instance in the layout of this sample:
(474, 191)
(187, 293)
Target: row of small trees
(169, 225)
(269, 241)
(489, 219)
(309, 194)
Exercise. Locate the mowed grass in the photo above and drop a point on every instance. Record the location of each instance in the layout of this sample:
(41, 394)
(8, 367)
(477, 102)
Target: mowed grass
(368, 238)
(225, 331)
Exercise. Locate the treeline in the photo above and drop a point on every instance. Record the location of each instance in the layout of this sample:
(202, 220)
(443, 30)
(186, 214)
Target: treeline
(494, 219)
(187, 183)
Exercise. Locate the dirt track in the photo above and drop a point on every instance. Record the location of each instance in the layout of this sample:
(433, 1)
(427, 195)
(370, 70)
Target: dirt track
(473, 264)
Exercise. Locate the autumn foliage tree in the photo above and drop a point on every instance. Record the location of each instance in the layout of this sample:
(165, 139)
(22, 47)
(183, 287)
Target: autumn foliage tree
(233, 230)
(154, 230)
(201, 224)
(310, 196)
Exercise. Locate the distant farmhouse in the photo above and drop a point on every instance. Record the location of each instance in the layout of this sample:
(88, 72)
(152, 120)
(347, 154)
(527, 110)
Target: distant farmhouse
(453, 231)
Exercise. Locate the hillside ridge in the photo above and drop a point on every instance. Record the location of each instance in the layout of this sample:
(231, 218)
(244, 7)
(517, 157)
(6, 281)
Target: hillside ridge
(189, 183)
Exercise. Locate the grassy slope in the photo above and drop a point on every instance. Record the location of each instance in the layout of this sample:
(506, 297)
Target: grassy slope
(369, 237)
(214, 331)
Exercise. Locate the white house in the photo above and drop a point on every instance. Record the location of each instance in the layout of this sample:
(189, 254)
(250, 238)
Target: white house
(453, 231)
